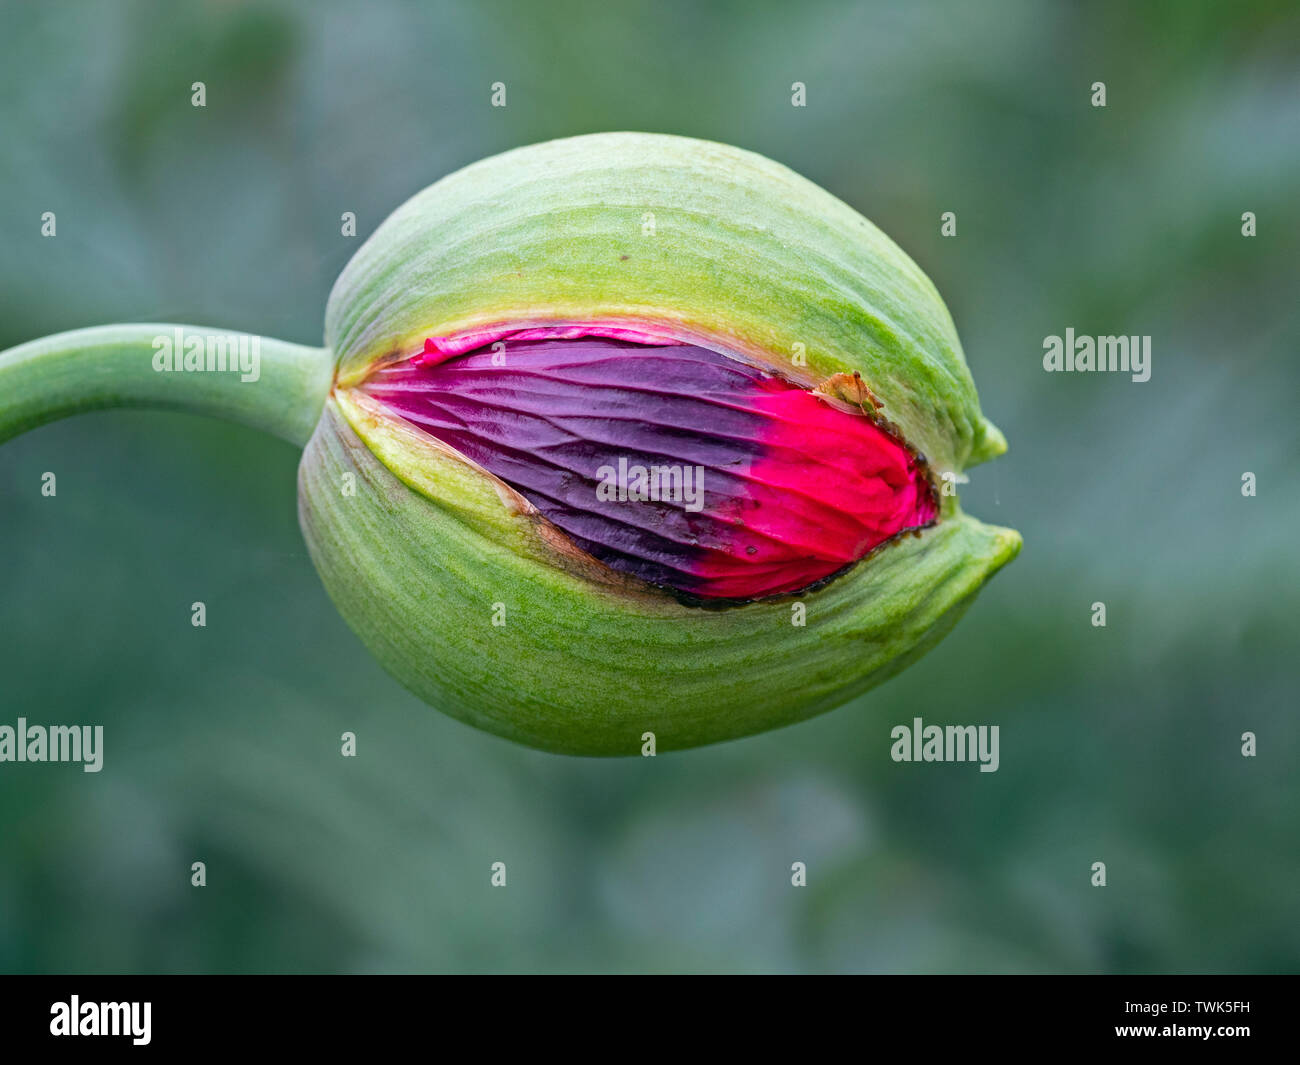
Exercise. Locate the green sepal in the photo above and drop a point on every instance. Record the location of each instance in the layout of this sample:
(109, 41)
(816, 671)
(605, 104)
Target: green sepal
(704, 241)
(421, 565)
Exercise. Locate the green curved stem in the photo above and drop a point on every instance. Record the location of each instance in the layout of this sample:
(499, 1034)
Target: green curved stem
(256, 381)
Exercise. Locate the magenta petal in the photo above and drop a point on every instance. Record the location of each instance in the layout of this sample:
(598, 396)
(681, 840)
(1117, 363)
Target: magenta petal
(686, 468)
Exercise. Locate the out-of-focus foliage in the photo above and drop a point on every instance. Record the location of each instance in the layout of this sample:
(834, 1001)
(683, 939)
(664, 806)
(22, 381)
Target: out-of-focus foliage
(1119, 744)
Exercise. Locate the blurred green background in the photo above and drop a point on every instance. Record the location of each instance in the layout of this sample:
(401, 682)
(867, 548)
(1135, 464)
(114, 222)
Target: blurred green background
(1119, 744)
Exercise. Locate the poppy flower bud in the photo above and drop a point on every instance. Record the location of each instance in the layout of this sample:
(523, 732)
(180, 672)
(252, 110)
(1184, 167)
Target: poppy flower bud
(653, 434)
